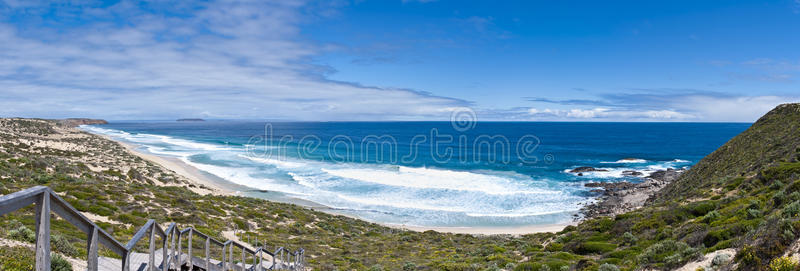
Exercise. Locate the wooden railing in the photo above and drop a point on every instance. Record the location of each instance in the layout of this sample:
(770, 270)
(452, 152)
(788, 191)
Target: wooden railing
(172, 257)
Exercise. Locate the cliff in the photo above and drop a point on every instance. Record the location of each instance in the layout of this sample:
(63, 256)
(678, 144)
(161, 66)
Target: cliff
(74, 122)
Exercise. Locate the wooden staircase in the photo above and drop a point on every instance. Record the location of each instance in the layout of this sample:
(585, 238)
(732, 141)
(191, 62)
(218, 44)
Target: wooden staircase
(171, 255)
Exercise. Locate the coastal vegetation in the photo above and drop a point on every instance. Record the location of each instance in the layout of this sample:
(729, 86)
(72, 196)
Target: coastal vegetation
(744, 197)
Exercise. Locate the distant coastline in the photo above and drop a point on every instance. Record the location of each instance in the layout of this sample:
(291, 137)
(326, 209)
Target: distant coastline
(190, 119)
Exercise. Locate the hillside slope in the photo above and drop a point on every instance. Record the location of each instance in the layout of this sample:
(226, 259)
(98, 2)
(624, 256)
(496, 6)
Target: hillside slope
(773, 139)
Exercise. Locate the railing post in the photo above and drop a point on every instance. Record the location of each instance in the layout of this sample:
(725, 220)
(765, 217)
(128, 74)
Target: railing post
(224, 253)
(208, 256)
(172, 258)
(243, 261)
(189, 250)
(43, 232)
(91, 250)
(151, 262)
(164, 252)
(180, 253)
(126, 261)
(230, 256)
(260, 258)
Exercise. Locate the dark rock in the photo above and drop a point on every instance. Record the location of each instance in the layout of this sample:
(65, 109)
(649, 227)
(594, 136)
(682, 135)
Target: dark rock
(593, 185)
(585, 169)
(631, 173)
(668, 175)
(620, 197)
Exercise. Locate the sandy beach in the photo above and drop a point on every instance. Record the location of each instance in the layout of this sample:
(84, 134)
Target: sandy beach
(199, 178)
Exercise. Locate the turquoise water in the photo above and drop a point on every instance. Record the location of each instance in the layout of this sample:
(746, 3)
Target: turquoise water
(429, 173)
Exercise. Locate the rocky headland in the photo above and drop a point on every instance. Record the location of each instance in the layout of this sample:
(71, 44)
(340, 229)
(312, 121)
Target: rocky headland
(75, 122)
(620, 197)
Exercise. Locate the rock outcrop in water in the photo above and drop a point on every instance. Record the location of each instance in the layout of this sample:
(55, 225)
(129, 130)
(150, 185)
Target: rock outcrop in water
(586, 169)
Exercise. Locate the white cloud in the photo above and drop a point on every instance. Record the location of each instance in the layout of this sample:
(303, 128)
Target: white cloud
(665, 105)
(582, 113)
(606, 114)
(226, 59)
(745, 108)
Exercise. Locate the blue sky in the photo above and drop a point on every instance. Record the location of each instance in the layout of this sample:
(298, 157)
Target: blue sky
(399, 60)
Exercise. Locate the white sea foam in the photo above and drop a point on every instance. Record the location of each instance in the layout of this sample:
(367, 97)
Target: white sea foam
(243, 176)
(627, 161)
(470, 206)
(619, 172)
(403, 204)
(173, 146)
(192, 145)
(521, 214)
(428, 178)
(281, 163)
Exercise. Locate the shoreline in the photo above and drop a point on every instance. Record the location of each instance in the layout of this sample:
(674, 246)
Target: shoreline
(219, 186)
(194, 175)
(521, 230)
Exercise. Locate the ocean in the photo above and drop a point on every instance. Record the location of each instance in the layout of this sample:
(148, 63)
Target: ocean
(429, 174)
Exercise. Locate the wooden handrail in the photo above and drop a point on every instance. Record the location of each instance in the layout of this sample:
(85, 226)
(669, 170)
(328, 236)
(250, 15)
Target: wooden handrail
(46, 201)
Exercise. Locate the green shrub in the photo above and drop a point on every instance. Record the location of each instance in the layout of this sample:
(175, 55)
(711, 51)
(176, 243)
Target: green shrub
(595, 247)
(776, 185)
(792, 209)
(779, 198)
(22, 259)
(711, 216)
(554, 247)
(713, 237)
(58, 263)
(753, 213)
(720, 259)
(784, 171)
(492, 267)
(409, 266)
(608, 267)
(783, 264)
(701, 208)
(453, 266)
(62, 244)
(747, 256)
(629, 238)
(669, 253)
(794, 195)
(22, 234)
(16, 259)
